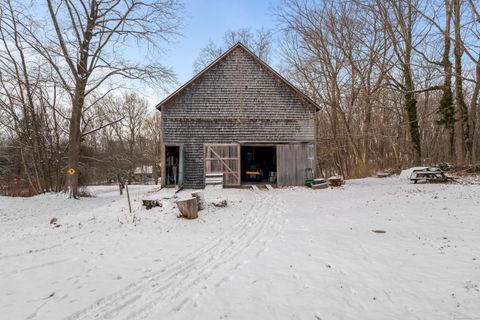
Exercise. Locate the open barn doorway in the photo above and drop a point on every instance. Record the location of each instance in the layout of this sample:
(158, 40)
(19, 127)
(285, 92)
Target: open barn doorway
(259, 164)
(173, 166)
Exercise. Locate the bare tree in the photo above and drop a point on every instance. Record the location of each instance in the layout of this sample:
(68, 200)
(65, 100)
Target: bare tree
(374, 66)
(152, 128)
(399, 19)
(338, 53)
(85, 45)
(207, 55)
(474, 102)
(25, 96)
(461, 107)
(446, 107)
(260, 42)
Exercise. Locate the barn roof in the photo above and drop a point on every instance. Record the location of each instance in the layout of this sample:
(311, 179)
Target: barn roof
(255, 58)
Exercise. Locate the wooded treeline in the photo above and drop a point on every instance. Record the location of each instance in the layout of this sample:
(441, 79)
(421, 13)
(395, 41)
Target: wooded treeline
(64, 69)
(119, 137)
(397, 80)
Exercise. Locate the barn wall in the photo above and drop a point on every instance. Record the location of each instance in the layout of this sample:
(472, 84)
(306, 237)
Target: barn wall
(235, 101)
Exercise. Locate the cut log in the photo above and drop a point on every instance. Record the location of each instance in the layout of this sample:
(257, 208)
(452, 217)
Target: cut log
(188, 208)
(220, 203)
(149, 204)
(335, 181)
(200, 199)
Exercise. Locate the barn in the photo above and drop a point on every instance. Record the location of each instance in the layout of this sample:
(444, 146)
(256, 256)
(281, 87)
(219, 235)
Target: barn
(240, 117)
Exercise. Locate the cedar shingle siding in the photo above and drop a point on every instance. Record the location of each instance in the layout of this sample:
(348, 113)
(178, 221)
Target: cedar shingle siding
(236, 101)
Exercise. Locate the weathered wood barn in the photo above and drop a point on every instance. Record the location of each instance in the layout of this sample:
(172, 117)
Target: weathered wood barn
(240, 117)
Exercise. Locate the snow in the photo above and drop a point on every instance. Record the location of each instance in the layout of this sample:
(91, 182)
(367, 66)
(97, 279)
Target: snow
(291, 253)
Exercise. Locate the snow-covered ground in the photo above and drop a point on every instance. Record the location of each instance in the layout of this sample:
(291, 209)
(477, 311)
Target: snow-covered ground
(290, 253)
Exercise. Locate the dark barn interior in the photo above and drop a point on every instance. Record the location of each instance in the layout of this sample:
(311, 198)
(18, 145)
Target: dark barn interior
(259, 164)
(172, 158)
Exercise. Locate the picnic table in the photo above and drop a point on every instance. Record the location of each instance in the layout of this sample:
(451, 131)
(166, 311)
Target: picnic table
(428, 175)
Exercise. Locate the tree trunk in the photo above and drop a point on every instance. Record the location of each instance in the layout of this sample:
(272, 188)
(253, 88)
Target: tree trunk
(155, 172)
(77, 104)
(410, 101)
(473, 115)
(464, 147)
(411, 109)
(74, 141)
(366, 130)
(446, 107)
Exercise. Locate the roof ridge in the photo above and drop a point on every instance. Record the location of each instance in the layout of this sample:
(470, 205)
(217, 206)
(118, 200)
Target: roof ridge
(239, 44)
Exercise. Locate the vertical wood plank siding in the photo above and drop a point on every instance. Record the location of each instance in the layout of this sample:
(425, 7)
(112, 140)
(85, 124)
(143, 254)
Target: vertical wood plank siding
(237, 100)
(292, 160)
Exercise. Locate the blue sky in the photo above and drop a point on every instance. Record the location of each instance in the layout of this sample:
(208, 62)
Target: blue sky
(210, 19)
(202, 20)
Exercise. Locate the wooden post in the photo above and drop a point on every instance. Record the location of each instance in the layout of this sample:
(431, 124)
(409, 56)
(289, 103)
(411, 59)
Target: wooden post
(128, 197)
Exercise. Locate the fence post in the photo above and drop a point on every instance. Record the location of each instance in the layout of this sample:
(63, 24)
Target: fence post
(128, 197)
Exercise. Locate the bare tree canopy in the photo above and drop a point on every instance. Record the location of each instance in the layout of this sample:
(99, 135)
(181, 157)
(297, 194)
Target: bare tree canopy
(260, 42)
(383, 72)
(87, 48)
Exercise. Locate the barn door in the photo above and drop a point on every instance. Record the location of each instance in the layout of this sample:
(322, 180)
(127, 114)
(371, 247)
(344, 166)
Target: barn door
(292, 160)
(224, 158)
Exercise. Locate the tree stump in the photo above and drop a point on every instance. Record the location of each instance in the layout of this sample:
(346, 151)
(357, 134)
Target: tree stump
(200, 199)
(188, 208)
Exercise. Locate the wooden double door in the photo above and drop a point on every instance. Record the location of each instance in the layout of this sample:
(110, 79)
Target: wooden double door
(224, 158)
(292, 161)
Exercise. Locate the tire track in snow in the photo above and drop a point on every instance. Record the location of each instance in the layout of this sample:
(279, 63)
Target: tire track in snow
(142, 297)
(114, 303)
(224, 255)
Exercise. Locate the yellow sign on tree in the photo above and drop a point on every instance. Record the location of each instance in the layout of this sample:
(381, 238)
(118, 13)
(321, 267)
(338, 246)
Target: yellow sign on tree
(71, 171)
